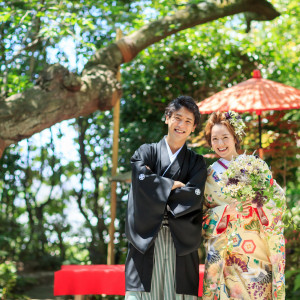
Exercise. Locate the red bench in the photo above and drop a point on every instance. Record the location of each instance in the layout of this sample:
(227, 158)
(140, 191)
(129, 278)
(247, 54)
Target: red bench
(96, 280)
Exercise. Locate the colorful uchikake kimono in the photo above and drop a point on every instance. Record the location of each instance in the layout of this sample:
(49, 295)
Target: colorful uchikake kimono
(253, 266)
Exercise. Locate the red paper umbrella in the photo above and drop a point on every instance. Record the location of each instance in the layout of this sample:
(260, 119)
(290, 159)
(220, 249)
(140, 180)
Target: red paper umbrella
(253, 95)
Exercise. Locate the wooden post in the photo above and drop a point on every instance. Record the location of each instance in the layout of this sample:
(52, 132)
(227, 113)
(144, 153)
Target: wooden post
(261, 153)
(113, 206)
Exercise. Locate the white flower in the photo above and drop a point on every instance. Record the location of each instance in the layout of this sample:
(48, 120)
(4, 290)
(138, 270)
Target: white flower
(246, 177)
(237, 122)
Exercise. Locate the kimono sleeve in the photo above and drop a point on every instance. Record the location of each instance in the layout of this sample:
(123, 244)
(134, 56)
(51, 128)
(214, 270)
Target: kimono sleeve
(185, 209)
(273, 232)
(147, 199)
(189, 198)
(214, 208)
(213, 224)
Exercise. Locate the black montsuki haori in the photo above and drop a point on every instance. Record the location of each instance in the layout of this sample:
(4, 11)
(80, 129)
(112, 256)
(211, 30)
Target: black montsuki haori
(149, 198)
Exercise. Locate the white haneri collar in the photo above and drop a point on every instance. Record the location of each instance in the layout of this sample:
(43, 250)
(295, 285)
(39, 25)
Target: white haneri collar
(171, 155)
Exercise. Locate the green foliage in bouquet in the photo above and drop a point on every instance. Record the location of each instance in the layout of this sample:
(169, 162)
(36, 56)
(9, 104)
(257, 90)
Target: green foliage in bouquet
(249, 177)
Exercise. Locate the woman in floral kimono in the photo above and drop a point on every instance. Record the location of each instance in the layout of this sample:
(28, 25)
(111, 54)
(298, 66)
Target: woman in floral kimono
(245, 251)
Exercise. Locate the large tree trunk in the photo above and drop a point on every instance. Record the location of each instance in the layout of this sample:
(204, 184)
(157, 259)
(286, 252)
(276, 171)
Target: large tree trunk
(60, 95)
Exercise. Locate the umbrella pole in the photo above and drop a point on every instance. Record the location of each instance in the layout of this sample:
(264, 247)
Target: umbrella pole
(260, 150)
(259, 130)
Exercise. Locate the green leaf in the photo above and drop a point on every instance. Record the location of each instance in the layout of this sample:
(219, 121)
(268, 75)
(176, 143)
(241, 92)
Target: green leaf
(4, 16)
(297, 283)
(290, 273)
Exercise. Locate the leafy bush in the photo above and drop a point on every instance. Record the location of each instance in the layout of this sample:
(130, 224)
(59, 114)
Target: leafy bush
(292, 235)
(8, 279)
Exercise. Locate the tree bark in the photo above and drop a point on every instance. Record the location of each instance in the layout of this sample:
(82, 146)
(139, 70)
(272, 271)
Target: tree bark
(60, 95)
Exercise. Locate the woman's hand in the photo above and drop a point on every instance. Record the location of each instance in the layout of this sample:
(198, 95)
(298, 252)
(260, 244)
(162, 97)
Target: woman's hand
(263, 218)
(231, 209)
(177, 184)
(245, 207)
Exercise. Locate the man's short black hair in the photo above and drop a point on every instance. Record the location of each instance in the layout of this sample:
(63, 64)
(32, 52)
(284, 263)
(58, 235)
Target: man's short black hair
(183, 101)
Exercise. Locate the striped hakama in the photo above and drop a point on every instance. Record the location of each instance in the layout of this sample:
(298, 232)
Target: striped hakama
(163, 277)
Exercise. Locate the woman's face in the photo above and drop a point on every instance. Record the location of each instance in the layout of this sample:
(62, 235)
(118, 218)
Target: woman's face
(223, 142)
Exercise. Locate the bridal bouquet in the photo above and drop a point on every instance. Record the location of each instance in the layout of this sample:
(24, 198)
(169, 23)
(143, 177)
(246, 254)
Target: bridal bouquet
(248, 177)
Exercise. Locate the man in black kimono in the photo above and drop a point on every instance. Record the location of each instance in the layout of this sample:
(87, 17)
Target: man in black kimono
(164, 214)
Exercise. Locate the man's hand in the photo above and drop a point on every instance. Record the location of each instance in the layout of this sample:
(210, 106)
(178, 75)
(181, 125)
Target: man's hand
(177, 184)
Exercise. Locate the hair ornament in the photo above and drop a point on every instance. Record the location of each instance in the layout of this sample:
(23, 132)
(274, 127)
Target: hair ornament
(237, 122)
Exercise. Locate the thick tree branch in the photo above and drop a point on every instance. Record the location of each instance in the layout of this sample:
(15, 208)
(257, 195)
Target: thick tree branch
(194, 15)
(60, 95)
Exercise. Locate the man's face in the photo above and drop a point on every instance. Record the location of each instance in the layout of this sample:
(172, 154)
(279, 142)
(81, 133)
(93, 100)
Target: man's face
(180, 124)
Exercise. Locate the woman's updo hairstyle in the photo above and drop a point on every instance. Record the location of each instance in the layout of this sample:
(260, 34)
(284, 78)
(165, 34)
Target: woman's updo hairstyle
(220, 118)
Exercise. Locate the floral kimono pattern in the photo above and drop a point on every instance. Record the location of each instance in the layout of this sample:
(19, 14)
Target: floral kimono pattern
(245, 259)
